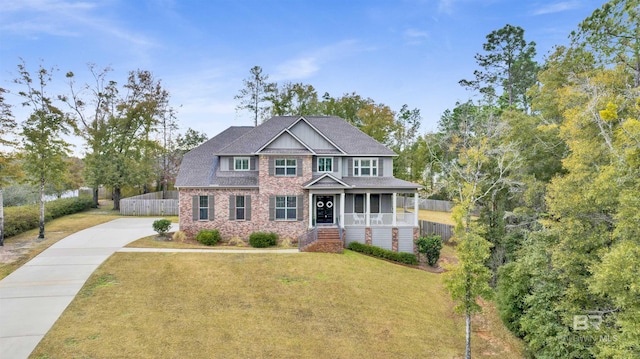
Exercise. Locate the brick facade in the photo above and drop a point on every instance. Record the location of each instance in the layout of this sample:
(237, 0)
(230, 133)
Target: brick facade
(268, 186)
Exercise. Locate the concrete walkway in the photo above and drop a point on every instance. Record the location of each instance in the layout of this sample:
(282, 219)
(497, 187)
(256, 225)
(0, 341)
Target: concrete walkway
(35, 295)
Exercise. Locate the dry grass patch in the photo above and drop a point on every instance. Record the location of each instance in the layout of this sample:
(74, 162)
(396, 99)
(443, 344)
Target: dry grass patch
(20, 249)
(307, 305)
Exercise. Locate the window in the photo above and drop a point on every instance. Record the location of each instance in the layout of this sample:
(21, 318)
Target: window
(365, 167)
(358, 203)
(286, 208)
(241, 163)
(285, 167)
(240, 207)
(325, 164)
(204, 208)
(375, 203)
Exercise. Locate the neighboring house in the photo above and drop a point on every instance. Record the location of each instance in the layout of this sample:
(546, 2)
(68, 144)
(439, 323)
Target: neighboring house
(292, 174)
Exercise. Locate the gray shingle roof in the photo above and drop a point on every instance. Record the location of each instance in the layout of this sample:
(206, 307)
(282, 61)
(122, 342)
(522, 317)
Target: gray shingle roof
(379, 182)
(199, 165)
(347, 137)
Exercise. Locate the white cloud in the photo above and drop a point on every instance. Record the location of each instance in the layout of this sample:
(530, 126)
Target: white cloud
(309, 63)
(446, 6)
(415, 37)
(556, 7)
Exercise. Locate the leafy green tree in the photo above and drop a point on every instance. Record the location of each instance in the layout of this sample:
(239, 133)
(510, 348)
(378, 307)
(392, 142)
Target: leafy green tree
(129, 145)
(345, 107)
(190, 140)
(293, 99)
(404, 139)
(378, 121)
(44, 149)
(613, 32)
(255, 94)
(509, 64)
(7, 128)
(92, 104)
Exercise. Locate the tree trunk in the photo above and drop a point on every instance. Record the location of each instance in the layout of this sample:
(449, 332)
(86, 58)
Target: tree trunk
(41, 233)
(95, 197)
(467, 353)
(1, 218)
(116, 198)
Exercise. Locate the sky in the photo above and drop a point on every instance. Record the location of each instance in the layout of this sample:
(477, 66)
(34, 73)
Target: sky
(395, 52)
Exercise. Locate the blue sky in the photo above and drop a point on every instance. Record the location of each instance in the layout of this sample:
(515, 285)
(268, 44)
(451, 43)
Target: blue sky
(410, 52)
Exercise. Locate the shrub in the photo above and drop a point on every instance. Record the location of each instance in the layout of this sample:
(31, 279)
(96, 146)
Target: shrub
(23, 218)
(179, 236)
(407, 258)
(162, 226)
(263, 239)
(208, 237)
(430, 247)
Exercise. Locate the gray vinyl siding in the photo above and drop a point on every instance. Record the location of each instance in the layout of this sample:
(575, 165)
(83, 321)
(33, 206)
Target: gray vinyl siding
(381, 237)
(311, 137)
(354, 234)
(405, 239)
(286, 141)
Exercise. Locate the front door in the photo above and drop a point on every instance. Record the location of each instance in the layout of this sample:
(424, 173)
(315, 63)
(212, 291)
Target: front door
(324, 209)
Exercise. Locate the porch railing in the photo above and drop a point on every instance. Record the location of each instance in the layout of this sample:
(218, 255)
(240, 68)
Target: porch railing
(307, 238)
(379, 219)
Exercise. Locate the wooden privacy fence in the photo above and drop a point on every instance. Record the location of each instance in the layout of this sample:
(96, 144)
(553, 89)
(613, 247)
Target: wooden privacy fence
(150, 204)
(426, 204)
(445, 231)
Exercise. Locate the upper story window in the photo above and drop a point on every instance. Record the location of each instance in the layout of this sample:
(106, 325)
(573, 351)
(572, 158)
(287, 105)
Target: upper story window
(325, 164)
(285, 166)
(365, 167)
(241, 163)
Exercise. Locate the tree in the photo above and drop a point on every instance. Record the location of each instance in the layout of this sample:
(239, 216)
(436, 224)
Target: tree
(255, 93)
(7, 128)
(476, 171)
(508, 63)
(378, 121)
(407, 123)
(293, 99)
(44, 149)
(190, 140)
(613, 33)
(92, 105)
(127, 140)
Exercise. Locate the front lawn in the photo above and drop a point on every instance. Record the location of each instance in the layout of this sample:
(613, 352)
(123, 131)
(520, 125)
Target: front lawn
(307, 305)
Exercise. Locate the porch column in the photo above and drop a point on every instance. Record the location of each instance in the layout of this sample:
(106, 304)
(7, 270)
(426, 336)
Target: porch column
(310, 210)
(393, 205)
(416, 205)
(367, 211)
(342, 196)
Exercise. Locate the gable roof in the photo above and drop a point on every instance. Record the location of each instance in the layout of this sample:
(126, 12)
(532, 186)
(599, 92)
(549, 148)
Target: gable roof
(199, 165)
(347, 138)
(325, 180)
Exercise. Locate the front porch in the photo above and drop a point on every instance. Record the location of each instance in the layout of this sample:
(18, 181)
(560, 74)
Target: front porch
(369, 217)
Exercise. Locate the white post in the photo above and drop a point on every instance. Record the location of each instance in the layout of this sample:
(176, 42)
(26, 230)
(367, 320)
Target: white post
(367, 211)
(310, 210)
(416, 205)
(342, 210)
(393, 205)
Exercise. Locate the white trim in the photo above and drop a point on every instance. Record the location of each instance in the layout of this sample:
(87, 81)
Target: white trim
(242, 159)
(371, 167)
(327, 174)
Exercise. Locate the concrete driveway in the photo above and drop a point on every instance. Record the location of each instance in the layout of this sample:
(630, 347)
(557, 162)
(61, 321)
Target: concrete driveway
(34, 296)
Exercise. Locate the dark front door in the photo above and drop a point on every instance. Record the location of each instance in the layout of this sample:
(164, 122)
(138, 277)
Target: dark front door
(324, 209)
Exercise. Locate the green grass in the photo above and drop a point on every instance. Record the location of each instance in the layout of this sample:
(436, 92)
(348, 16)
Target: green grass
(309, 305)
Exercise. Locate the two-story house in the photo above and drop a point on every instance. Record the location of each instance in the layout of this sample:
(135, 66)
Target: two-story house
(292, 174)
